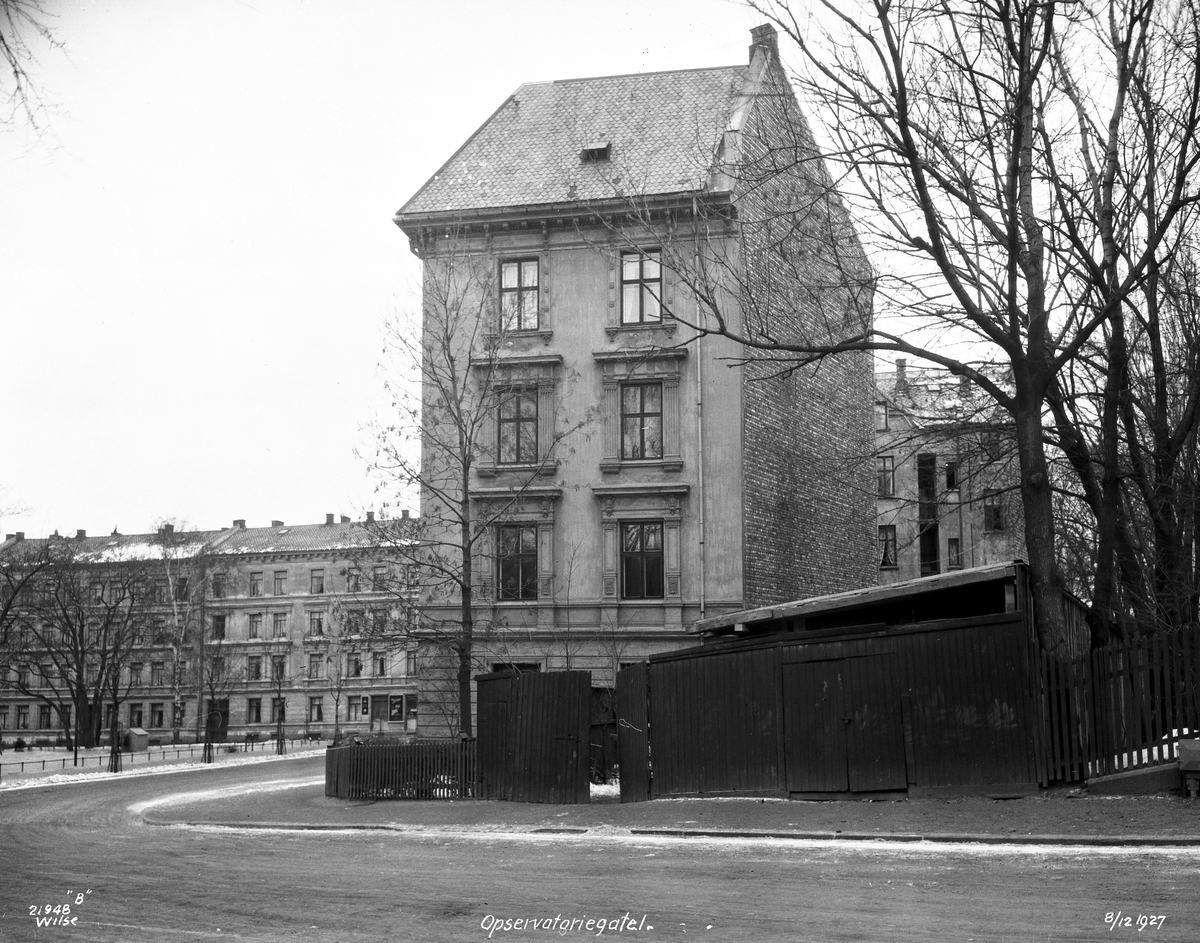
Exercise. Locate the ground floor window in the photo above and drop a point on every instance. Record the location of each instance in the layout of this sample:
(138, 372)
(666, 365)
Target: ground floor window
(4, 717)
(642, 560)
(22, 718)
(954, 553)
(156, 715)
(517, 562)
(278, 710)
(44, 716)
(135, 715)
(254, 710)
(315, 711)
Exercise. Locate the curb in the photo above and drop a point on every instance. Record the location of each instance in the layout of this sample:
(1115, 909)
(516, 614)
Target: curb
(1125, 841)
(941, 837)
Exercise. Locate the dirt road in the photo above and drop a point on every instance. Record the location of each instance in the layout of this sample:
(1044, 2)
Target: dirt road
(160, 884)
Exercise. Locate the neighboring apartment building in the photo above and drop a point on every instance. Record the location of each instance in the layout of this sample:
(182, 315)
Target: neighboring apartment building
(637, 474)
(240, 628)
(946, 476)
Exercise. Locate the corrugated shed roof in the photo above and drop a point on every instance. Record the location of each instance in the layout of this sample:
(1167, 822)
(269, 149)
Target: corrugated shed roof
(663, 128)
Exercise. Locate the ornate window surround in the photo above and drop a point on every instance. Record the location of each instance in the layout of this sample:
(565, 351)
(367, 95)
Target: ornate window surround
(536, 504)
(528, 372)
(639, 365)
(624, 504)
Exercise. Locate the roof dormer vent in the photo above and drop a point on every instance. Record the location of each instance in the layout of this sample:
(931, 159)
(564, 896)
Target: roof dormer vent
(595, 152)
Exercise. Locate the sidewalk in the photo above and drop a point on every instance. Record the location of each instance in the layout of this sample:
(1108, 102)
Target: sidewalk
(1055, 819)
(46, 765)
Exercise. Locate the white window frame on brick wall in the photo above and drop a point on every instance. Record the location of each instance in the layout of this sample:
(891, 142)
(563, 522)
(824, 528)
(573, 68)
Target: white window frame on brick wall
(634, 366)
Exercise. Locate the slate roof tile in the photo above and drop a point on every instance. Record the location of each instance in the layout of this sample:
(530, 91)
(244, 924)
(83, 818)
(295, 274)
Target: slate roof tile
(663, 127)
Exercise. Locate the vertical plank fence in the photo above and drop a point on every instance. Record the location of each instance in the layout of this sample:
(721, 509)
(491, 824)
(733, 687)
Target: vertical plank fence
(1122, 707)
(431, 769)
(534, 730)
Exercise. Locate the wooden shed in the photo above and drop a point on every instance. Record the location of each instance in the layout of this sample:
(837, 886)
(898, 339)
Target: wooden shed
(929, 686)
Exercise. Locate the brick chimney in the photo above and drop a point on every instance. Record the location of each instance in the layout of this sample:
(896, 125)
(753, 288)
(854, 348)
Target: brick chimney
(901, 374)
(276, 523)
(345, 519)
(328, 519)
(240, 523)
(404, 514)
(370, 517)
(80, 534)
(765, 38)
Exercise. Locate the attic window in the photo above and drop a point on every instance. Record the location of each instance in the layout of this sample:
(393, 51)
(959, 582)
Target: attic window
(595, 152)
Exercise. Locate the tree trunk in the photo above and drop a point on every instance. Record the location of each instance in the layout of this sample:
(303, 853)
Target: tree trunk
(114, 746)
(1045, 578)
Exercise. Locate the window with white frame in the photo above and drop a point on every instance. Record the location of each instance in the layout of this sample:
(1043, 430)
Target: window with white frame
(519, 295)
(517, 427)
(641, 287)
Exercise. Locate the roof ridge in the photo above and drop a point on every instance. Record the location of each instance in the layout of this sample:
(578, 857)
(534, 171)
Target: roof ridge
(627, 75)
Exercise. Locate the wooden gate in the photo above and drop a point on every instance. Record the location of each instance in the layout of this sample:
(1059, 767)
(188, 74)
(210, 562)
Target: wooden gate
(633, 743)
(842, 726)
(534, 736)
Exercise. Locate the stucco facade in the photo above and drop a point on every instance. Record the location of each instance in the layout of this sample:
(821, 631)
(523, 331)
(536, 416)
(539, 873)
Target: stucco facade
(666, 477)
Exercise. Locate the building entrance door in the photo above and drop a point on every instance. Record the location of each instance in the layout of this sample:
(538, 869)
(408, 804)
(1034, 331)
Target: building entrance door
(379, 713)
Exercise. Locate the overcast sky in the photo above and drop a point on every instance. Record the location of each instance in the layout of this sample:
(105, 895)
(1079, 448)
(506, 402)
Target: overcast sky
(197, 253)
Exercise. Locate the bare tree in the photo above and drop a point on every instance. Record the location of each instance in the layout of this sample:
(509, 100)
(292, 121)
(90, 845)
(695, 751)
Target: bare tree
(1017, 201)
(78, 616)
(24, 27)
(187, 583)
(471, 413)
(281, 678)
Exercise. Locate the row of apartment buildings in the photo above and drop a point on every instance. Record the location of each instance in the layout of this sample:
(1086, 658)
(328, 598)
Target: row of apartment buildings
(247, 629)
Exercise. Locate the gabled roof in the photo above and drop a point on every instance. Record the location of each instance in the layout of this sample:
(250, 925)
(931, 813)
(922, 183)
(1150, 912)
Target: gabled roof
(120, 548)
(663, 128)
(933, 396)
(231, 541)
(299, 538)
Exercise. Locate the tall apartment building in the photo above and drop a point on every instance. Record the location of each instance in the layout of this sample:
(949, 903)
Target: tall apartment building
(246, 629)
(637, 473)
(946, 476)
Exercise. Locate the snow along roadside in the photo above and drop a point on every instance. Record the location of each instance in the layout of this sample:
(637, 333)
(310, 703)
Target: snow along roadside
(58, 779)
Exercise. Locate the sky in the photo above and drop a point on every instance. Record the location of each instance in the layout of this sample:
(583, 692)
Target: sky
(197, 253)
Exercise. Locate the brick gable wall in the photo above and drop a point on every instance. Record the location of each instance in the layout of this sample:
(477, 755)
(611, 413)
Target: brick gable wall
(808, 502)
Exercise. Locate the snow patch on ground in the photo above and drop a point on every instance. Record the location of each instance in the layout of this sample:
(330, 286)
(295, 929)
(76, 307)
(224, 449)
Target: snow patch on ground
(58, 779)
(606, 790)
(226, 792)
(622, 836)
